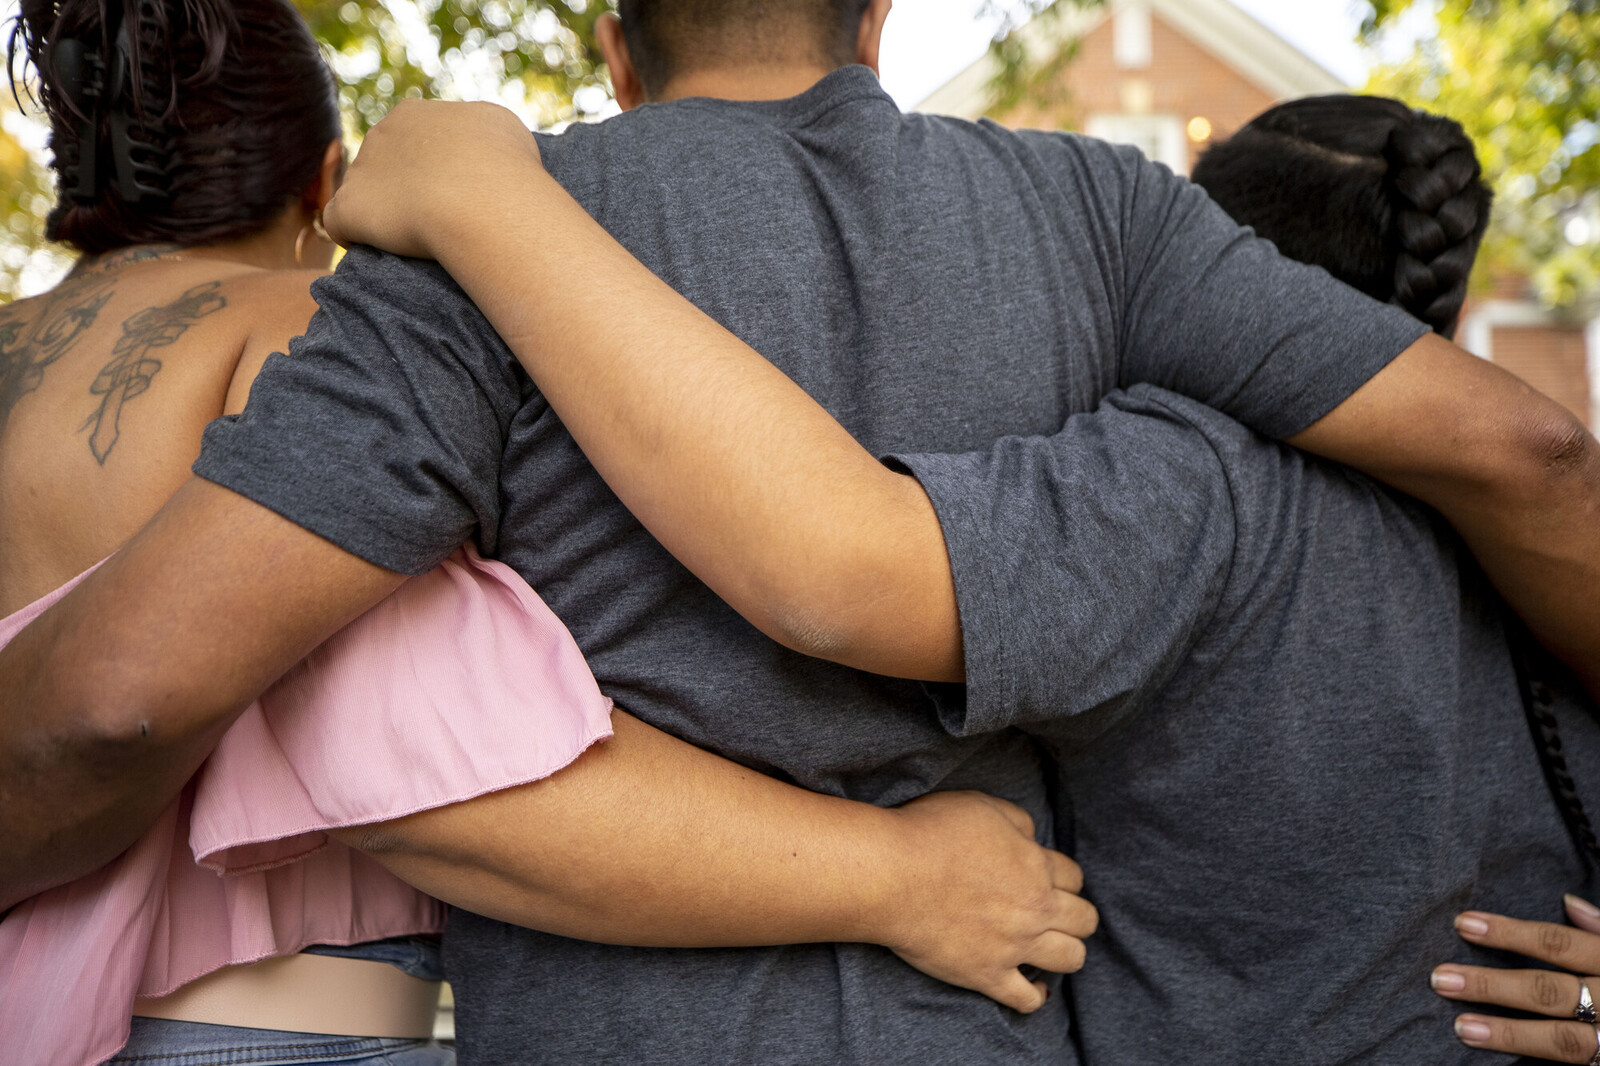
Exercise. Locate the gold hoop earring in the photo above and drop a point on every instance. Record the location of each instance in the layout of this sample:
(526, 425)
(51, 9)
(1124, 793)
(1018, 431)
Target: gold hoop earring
(315, 227)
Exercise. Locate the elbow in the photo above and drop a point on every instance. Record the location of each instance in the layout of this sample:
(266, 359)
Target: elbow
(813, 626)
(110, 720)
(1567, 448)
(1555, 461)
(382, 840)
(98, 721)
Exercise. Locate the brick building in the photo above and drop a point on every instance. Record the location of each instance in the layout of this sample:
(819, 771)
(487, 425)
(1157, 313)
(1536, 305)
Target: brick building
(1171, 75)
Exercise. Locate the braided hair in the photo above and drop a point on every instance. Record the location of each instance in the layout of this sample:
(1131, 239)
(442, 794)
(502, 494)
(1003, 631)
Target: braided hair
(1387, 199)
(175, 121)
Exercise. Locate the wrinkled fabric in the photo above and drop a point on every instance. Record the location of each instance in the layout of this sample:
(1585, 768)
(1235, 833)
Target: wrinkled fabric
(461, 683)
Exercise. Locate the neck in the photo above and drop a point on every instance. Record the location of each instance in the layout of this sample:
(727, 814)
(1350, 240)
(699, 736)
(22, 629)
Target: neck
(270, 249)
(763, 82)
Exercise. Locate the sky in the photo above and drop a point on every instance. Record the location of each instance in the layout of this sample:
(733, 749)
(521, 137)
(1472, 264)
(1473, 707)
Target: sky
(927, 42)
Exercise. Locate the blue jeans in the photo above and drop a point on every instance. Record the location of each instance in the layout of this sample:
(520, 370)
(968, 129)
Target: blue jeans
(159, 1042)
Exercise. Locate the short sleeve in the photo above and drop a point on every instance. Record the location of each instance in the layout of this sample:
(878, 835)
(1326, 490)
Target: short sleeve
(1211, 311)
(1085, 563)
(382, 428)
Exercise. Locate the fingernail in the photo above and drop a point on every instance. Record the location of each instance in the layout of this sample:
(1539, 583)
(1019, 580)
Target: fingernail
(1447, 981)
(1582, 906)
(1473, 1032)
(1472, 925)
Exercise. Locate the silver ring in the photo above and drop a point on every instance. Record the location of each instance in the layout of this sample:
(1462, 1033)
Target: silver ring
(1585, 1011)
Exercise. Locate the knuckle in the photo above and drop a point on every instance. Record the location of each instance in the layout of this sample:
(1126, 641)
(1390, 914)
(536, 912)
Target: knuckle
(1555, 941)
(1480, 987)
(1568, 1042)
(1547, 991)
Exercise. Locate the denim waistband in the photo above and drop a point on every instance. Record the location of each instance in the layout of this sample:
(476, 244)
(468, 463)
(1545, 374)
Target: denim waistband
(159, 1042)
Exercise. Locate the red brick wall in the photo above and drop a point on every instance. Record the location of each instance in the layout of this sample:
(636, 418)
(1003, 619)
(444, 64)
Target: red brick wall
(1552, 359)
(1183, 79)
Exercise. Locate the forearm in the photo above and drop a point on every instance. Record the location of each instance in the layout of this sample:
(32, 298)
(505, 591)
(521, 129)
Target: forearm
(111, 700)
(649, 841)
(740, 474)
(1515, 474)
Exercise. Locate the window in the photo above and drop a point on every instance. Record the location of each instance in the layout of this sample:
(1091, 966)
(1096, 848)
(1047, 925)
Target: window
(1159, 137)
(1130, 35)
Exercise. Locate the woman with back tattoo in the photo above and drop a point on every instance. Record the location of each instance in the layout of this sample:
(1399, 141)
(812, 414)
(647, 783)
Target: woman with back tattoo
(195, 145)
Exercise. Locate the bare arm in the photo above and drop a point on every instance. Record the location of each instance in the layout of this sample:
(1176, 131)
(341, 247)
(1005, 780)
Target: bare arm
(649, 841)
(763, 495)
(1515, 473)
(110, 700)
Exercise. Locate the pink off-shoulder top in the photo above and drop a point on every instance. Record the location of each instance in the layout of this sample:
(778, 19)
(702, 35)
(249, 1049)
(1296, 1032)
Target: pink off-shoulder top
(461, 683)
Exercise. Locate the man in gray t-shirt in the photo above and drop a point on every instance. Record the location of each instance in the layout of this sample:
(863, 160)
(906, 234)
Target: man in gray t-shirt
(937, 285)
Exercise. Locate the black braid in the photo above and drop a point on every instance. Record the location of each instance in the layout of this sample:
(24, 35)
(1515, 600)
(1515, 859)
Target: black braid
(1440, 211)
(1389, 200)
(1537, 674)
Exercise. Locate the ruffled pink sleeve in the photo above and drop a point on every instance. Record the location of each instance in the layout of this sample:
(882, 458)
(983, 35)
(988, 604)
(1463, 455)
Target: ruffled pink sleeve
(461, 683)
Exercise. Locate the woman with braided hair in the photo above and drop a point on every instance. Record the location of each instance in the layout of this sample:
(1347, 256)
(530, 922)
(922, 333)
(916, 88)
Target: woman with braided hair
(196, 143)
(1387, 199)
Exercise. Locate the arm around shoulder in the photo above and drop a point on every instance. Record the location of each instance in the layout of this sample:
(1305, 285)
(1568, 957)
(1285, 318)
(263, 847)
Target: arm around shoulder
(111, 699)
(1514, 472)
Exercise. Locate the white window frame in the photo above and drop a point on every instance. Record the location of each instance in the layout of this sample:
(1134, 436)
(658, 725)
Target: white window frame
(1160, 137)
(1131, 45)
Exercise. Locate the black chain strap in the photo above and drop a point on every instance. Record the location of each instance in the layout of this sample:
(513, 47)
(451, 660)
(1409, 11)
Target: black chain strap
(1538, 703)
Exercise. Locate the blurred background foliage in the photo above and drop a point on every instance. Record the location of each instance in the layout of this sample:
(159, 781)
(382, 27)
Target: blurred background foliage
(1024, 74)
(1523, 78)
(537, 57)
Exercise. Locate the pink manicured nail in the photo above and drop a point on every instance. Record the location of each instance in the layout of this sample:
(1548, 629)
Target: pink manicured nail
(1472, 925)
(1582, 906)
(1473, 1032)
(1447, 981)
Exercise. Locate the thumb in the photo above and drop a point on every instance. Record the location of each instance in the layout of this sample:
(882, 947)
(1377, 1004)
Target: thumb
(1017, 992)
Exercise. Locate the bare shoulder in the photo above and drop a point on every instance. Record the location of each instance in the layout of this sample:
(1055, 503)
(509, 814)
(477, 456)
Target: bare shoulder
(278, 303)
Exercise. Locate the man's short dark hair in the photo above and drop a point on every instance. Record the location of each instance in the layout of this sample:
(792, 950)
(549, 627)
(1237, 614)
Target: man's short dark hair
(667, 38)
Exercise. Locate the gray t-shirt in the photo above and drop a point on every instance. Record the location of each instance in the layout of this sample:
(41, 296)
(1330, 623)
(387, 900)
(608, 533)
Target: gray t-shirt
(936, 284)
(1289, 729)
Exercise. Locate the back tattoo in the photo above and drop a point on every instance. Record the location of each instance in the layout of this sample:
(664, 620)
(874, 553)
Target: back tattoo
(132, 369)
(28, 347)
